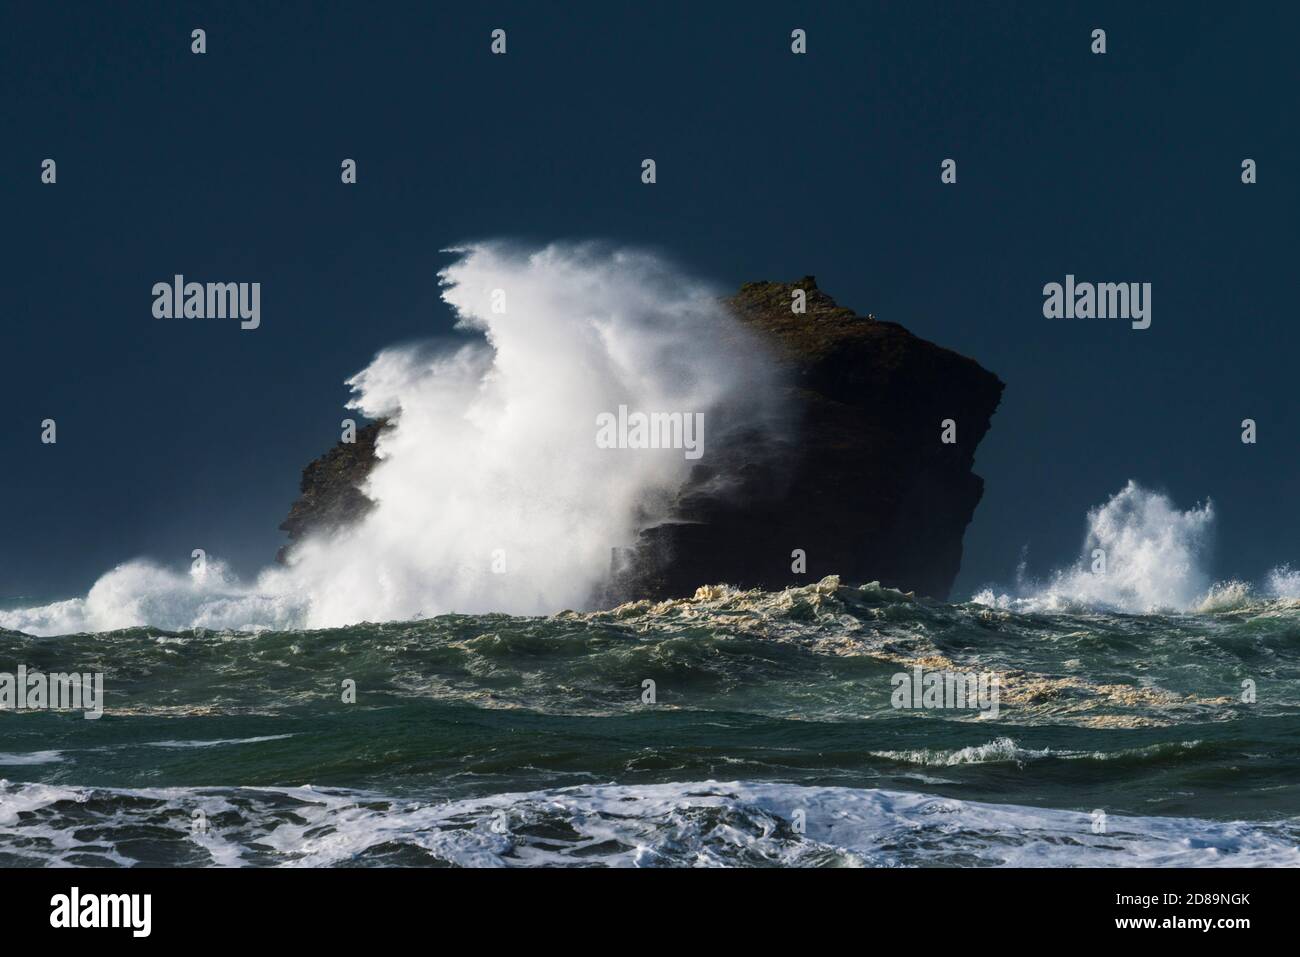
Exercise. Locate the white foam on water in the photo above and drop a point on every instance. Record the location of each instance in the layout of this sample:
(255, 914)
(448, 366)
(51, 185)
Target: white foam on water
(1005, 750)
(1001, 750)
(184, 745)
(31, 757)
(700, 824)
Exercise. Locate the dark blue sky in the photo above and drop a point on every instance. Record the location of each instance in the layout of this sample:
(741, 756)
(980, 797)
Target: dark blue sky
(1123, 167)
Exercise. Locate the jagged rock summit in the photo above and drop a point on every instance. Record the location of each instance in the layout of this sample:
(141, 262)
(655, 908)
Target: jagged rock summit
(861, 484)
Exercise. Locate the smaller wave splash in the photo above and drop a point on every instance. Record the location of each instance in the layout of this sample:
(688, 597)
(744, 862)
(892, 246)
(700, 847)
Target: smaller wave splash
(1142, 555)
(704, 824)
(141, 593)
(1005, 750)
(1284, 582)
(1002, 750)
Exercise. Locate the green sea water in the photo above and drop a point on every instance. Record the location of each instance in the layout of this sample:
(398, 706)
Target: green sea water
(772, 738)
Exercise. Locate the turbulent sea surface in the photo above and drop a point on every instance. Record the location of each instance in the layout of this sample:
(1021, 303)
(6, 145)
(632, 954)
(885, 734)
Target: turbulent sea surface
(491, 740)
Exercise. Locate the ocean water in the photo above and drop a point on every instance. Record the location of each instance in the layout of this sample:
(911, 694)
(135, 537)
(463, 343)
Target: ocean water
(496, 740)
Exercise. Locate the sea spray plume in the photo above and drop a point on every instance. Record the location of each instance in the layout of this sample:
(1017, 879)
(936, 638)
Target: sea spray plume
(1155, 553)
(1284, 583)
(491, 492)
(1154, 556)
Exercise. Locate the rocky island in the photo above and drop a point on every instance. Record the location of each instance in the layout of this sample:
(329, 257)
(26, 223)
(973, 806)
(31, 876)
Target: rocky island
(864, 487)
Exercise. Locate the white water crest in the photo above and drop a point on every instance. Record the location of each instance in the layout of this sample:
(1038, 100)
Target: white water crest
(1155, 557)
(491, 492)
(1284, 582)
(141, 592)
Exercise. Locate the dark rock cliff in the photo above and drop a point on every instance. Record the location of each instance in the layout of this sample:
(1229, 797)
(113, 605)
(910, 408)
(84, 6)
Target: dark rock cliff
(330, 490)
(864, 486)
(867, 490)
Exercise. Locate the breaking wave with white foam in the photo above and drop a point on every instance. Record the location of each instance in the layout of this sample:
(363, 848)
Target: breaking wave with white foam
(491, 493)
(1141, 555)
